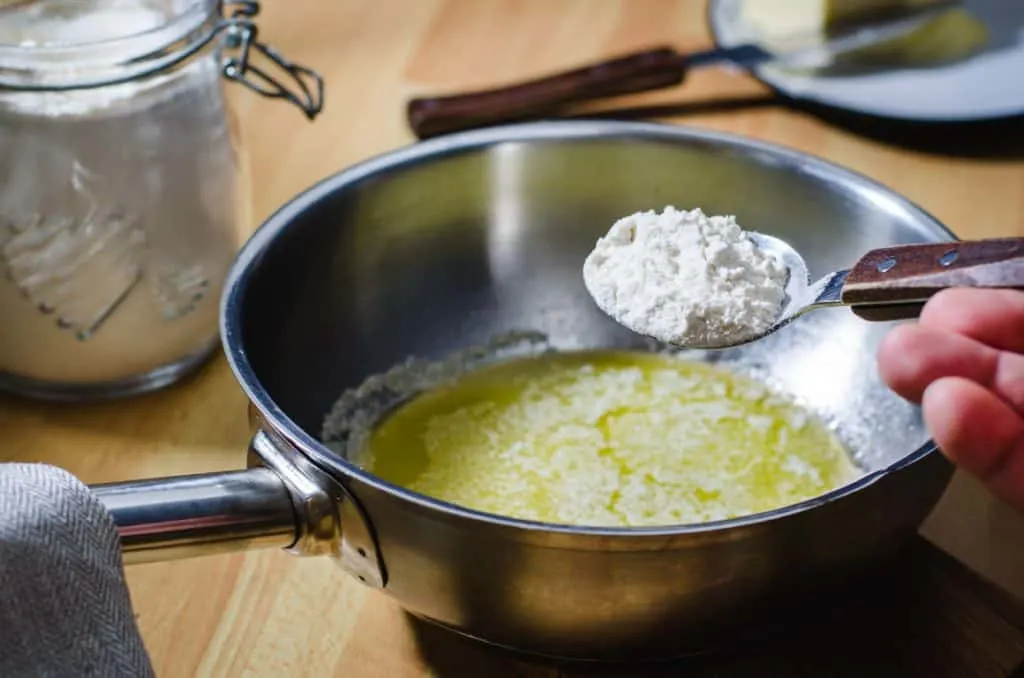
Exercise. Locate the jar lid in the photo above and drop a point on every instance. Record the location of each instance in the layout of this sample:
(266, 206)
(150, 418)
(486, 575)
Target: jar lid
(32, 24)
(64, 44)
(60, 45)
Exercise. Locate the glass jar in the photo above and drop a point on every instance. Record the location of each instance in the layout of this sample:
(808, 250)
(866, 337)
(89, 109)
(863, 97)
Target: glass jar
(120, 192)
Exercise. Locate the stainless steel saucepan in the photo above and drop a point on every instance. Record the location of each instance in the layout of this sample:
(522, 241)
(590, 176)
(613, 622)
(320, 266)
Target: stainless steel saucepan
(448, 243)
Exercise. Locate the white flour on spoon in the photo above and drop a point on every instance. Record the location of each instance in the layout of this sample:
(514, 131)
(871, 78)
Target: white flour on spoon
(685, 278)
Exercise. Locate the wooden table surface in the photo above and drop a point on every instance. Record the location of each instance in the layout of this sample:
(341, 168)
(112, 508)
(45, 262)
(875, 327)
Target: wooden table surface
(268, 614)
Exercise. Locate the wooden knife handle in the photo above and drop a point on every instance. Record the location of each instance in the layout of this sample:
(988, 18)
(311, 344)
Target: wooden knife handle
(638, 72)
(894, 282)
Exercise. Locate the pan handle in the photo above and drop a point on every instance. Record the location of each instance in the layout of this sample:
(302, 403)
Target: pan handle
(282, 500)
(192, 515)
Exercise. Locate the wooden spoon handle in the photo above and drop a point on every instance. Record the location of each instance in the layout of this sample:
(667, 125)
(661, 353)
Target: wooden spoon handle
(637, 72)
(894, 282)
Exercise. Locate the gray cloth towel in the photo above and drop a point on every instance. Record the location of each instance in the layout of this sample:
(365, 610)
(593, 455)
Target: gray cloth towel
(64, 604)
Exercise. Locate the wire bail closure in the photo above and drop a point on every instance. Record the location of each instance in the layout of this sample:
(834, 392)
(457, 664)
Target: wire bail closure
(242, 35)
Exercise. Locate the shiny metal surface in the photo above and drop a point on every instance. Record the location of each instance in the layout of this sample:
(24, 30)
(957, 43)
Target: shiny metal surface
(828, 290)
(322, 508)
(194, 515)
(315, 515)
(443, 245)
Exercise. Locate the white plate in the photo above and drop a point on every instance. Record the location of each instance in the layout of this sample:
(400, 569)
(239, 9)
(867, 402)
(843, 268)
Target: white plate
(985, 86)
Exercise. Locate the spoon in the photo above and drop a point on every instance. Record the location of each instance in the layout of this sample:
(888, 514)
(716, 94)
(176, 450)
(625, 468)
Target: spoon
(891, 283)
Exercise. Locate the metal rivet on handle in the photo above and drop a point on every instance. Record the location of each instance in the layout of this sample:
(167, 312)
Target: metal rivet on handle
(886, 264)
(949, 257)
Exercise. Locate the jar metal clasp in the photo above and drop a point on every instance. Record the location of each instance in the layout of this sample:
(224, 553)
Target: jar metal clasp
(304, 87)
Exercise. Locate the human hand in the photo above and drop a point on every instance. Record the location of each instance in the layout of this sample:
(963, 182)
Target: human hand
(963, 361)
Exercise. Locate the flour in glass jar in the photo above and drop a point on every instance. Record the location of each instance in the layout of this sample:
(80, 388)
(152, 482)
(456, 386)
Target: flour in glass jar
(119, 204)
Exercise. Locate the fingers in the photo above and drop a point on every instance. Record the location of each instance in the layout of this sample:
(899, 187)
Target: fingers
(978, 431)
(963, 363)
(913, 356)
(993, 317)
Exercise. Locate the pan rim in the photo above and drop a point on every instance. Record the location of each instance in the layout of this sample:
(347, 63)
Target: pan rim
(262, 240)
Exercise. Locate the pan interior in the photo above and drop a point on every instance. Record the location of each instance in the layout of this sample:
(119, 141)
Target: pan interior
(602, 438)
(440, 253)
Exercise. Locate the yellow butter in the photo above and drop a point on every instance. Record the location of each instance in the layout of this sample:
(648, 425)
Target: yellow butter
(612, 438)
(950, 36)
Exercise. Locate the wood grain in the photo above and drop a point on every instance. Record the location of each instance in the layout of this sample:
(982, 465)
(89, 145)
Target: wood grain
(912, 273)
(894, 283)
(268, 614)
(546, 95)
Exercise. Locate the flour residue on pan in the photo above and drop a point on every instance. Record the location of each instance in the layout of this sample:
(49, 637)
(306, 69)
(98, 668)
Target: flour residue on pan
(826, 362)
(522, 428)
(358, 410)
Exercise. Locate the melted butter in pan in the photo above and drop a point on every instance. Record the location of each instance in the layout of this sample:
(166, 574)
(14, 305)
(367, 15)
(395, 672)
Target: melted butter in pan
(612, 438)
